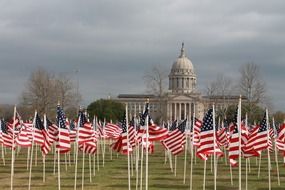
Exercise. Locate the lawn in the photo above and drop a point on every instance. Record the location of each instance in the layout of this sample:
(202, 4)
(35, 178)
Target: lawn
(114, 174)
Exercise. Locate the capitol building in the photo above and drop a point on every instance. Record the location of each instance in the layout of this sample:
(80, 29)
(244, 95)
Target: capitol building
(182, 98)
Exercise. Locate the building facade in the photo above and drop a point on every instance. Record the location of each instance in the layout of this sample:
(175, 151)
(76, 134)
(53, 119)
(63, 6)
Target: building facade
(182, 100)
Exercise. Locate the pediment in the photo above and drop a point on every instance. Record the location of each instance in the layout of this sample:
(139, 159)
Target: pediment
(181, 98)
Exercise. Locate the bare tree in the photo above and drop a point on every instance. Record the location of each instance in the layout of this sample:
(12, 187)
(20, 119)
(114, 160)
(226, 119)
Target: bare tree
(156, 80)
(44, 90)
(220, 88)
(156, 84)
(39, 93)
(252, 86)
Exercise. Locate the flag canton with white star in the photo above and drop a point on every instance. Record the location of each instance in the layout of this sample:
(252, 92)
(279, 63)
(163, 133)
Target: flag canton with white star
(263, 125)
(143, 116)
(4, 127)
(182, 126)
(208, 121)
(61, 117)
(82, 118)
(173, 126)
(49, 123)
(71, 125)
(39, 125)
(123, 124)
(132, 122)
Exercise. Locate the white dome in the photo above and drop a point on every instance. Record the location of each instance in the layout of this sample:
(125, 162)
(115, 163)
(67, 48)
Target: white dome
(182, 78)
(182, 64)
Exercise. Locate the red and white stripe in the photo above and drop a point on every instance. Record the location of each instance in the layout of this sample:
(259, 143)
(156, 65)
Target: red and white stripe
(196, 132)
(174, 142)
(23, 139)
(63, 143)
(112, 131)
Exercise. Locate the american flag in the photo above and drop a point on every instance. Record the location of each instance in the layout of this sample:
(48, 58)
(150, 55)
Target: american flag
(126, 145)
(73, 131)
(176, 139)
(143, 116)
(85, 129)
(38, 131)
(233, 144)
(196, 132)
(234, 140)
(113, 131)
(22, 138)
(222, 138)
(122, 144)
(261, 140)
(86, 135)
(280, 140)
(52, 130)
(208, 144)
(173, 126)
(6, 136)
(63, 144)
(248, 141)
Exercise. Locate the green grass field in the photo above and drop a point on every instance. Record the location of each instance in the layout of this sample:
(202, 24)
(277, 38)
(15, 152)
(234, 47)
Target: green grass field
(114, 174)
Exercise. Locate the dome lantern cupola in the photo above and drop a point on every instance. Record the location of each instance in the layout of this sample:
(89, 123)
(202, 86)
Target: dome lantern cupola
(182, 78)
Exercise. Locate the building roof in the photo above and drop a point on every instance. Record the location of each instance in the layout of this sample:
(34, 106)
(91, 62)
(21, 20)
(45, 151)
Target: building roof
(136, 96)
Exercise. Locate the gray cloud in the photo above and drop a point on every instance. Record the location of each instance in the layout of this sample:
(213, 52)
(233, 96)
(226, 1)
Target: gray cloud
(113, 43)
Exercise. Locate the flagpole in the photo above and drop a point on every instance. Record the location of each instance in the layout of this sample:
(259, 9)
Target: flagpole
(185, 155)
(175, 165)
(36, 156)
(239, 139)
(13, 144)
(76, 152)
(231, 173)
(83, 166)
(141, 180)
(58, 155)
(275, 151)
(54, 159)
(104, 143)
(268, 152)
(204, 181)
(258, 175)
(44, 157)
(215, 166)
(246, 160)
(192, 148)
(128, 146)
(94, 155)
(146, 156)
(98, 147)
(32, 149)
(3, 155)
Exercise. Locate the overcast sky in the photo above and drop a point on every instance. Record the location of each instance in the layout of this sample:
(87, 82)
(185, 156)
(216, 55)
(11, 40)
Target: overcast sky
(113, 43)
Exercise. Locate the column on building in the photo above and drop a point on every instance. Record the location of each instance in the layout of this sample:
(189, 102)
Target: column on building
(175, 111)
(185, 111)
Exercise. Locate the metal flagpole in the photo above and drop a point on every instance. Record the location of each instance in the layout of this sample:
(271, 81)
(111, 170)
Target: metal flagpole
(192, 147)
(44, 157)
(268, 152)
(13, 152)
(146, 155)
(215, 166)
(185, 155)
(275, 152)
(128, 146)
(239, 134)
(31, 161)
(76, 153)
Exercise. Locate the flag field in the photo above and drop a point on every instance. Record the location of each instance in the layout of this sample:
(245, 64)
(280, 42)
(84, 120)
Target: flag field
(114, 174)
